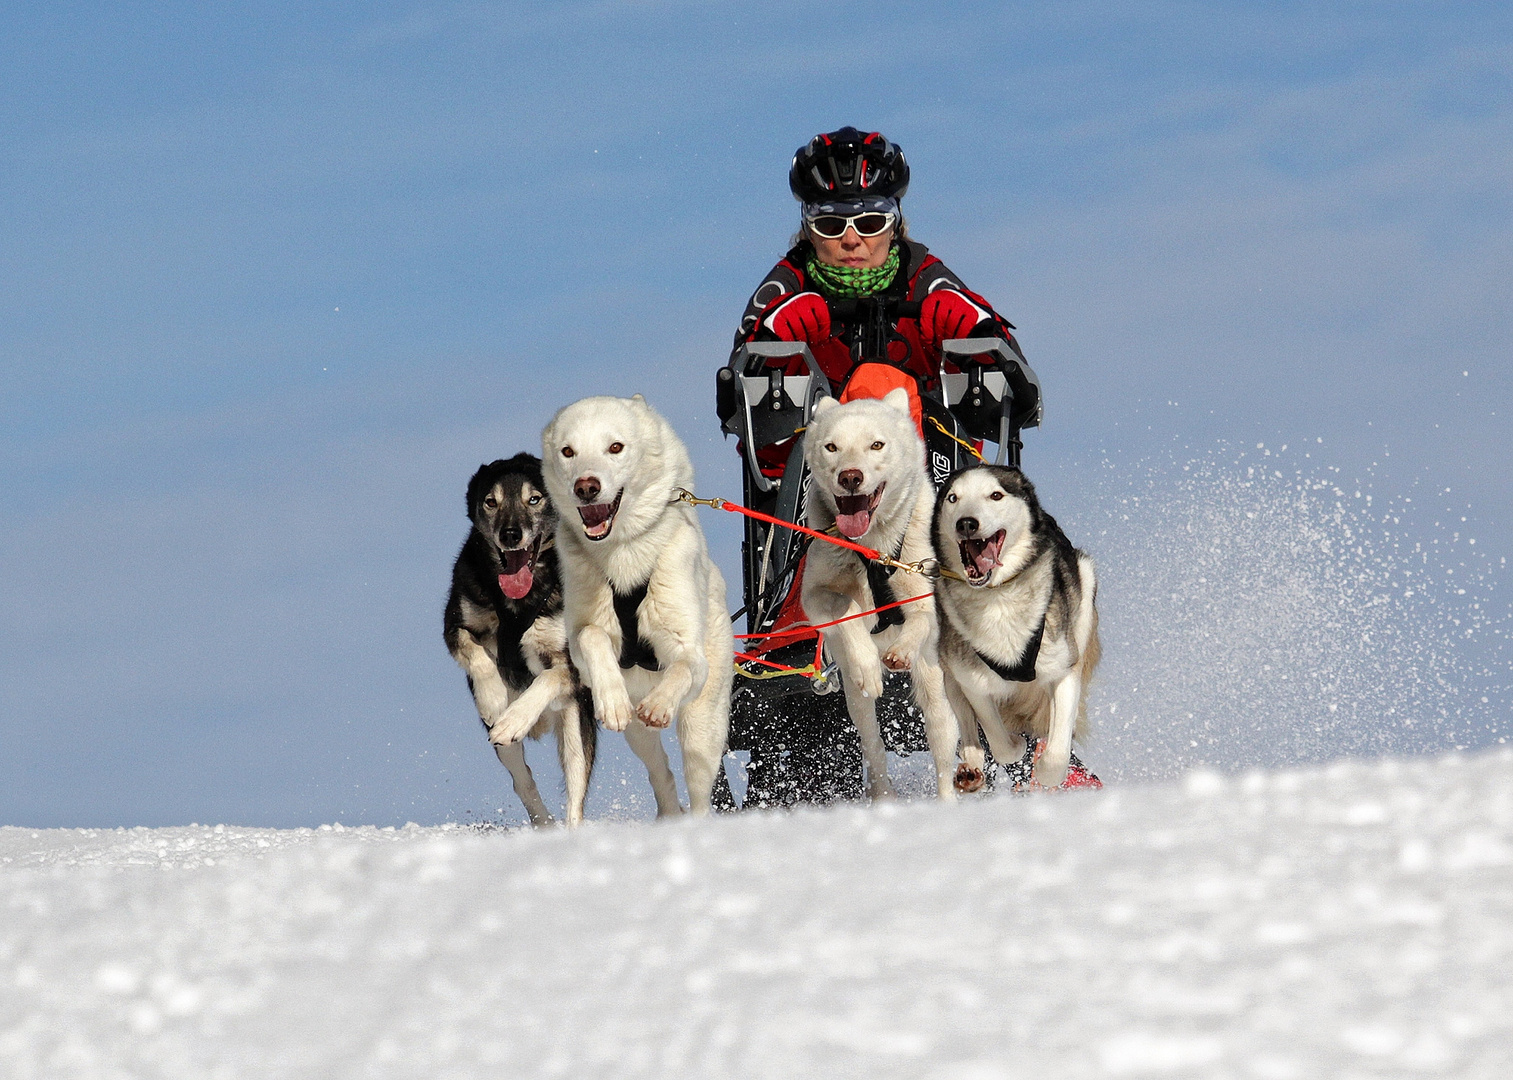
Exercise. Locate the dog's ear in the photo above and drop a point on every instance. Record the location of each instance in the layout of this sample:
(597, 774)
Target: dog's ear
(475, 489)
(638, 400)
(897, 399)
(824, 405)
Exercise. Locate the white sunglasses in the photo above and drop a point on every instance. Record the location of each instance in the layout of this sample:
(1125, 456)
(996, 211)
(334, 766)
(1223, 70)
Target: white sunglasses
(834, 226)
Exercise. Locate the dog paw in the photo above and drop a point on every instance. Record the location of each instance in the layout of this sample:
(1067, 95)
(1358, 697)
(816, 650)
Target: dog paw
(869, 683)
(654, 712)
(1050, 770)
(616, 714)
(968, 779)
(513, 726)
(895, 660)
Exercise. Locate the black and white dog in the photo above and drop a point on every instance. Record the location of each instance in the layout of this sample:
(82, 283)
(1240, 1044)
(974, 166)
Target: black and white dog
(504, 627)
(1018, 625)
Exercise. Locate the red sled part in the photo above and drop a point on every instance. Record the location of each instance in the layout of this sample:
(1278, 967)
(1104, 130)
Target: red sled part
(1077, 774)
(791, 624)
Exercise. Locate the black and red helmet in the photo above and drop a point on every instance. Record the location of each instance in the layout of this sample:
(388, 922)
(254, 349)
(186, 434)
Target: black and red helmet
(848, 166)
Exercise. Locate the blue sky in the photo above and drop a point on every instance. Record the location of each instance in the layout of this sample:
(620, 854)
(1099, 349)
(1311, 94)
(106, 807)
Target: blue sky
(275, 278)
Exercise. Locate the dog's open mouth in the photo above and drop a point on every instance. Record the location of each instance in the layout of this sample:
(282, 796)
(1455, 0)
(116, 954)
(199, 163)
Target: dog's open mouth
(853, 513)
(979, 557)
(519, 571)
(599, 518)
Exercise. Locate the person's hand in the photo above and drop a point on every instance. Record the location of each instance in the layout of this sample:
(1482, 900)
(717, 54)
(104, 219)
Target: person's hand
(946, 314)
(802, 317)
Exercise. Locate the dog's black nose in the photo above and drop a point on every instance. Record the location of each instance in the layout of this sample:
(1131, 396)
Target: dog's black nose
(850, 479)
(586, 488)
(512, 535)
(967, 526)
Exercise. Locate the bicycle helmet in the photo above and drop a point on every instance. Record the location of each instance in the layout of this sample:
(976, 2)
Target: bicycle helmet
(848, 169)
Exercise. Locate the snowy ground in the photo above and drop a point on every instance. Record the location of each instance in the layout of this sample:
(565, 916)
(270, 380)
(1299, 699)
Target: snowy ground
(1355, 920)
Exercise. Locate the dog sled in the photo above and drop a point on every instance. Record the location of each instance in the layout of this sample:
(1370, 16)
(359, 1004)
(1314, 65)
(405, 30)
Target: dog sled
(785, 711)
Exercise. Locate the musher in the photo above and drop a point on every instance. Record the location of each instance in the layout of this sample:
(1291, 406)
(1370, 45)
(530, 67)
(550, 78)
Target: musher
(853, 242)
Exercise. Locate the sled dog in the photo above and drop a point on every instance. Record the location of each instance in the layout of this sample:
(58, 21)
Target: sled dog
(1019, 622)
(869, 485)
(644, 603)
(504, 626)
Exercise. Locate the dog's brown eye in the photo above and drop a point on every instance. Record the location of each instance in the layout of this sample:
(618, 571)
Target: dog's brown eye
(877, 445)
(491, 502)
(567, 451)
(951, 497)
(830, 446)
(615, 447)
(997, 496)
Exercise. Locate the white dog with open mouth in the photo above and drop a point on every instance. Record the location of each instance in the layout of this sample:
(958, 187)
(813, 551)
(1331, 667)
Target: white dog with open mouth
(644, 603)
(869, 483)
(1019, 633)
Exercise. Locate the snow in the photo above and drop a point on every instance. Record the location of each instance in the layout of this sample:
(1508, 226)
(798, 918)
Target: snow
(1349, 920)
(1260, 608)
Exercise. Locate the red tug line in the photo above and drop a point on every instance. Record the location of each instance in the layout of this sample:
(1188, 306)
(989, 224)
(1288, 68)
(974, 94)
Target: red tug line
(797, 631)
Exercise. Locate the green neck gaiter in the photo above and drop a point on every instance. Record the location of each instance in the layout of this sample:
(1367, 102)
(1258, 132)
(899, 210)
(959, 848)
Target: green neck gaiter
(851, 282)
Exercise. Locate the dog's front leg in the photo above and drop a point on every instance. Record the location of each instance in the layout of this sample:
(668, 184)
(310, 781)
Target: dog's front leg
(941, 729)
(849, 642)
(547, 689)
(971, 774)
(1050, 770)
(677, 634)
(919, 622)
(490, 694)
(862, 679)
(599, 665)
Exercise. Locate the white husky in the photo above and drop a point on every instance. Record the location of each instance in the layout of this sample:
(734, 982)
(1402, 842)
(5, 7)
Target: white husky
(869, 483)
(645, 606)
(1019, 636)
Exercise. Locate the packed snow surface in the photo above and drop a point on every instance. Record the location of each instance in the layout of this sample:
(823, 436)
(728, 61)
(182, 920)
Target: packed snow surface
(1351, 920)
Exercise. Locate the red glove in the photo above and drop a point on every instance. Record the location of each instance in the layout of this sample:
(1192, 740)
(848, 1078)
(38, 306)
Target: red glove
(802, 317)
(946, 314)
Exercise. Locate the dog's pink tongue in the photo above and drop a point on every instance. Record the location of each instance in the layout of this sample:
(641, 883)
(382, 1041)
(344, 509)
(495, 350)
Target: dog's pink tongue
(854, 525)
(853, 515)
(517, 578)
(985, 557)
(518, 584)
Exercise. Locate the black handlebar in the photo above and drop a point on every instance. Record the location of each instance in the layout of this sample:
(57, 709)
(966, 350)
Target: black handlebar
(891, 308)
(870, 324)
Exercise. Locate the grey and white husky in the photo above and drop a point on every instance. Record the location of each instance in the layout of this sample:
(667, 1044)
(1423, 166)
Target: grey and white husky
(1019, 622)
(504, 626)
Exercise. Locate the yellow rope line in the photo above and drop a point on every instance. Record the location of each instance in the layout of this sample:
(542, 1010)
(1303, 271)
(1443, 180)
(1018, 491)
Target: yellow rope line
(806, 671)
(968, 447)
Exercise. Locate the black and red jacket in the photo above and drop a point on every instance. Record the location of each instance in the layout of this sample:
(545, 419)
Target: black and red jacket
(919, 274)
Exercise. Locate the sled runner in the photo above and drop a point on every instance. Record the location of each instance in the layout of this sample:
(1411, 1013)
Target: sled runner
(784, 711)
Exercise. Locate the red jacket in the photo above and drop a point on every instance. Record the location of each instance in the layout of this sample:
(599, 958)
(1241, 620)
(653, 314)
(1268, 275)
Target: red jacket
(919, 274)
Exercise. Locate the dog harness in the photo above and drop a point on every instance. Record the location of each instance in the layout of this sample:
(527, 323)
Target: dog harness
(1024, 670)
(634, 649)
(882, 592)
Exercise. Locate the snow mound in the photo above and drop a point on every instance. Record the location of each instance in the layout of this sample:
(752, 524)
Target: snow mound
(1355, 920)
